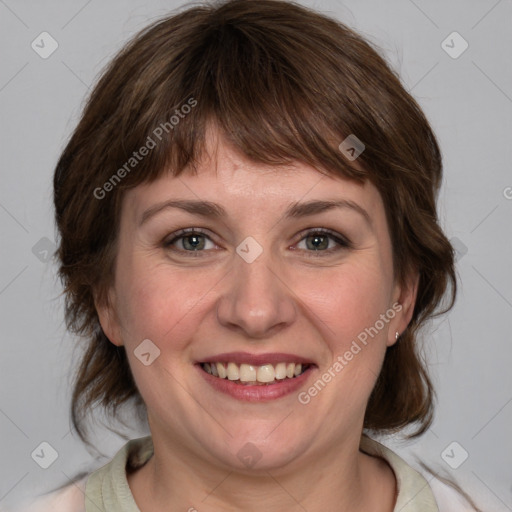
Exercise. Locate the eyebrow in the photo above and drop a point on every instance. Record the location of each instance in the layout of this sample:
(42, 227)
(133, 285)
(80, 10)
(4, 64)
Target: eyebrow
(294, 211)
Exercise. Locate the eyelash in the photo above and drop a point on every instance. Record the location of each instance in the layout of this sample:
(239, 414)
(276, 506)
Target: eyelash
(342, 242)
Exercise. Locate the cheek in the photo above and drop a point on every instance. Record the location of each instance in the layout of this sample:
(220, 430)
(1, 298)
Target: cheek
(354, 332)
(158, 302)
(163, 303)
(155, 304)
(348, 300)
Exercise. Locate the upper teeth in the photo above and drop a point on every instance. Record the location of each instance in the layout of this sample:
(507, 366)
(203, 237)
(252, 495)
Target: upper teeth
(250, 373)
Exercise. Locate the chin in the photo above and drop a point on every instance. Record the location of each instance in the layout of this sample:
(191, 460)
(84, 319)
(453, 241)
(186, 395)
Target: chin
(259, 449)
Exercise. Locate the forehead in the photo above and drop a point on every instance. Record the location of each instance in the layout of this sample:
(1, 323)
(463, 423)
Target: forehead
(244, 187)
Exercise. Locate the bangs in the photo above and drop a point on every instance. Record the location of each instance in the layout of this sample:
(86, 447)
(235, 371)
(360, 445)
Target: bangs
(269, 98)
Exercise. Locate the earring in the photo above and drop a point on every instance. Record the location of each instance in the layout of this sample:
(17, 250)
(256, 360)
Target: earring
(397, 335)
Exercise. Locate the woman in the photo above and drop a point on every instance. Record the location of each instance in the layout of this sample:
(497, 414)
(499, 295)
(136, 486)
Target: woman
(249, 241)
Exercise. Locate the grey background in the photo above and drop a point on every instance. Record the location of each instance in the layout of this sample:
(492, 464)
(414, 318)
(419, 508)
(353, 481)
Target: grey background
(469, 103)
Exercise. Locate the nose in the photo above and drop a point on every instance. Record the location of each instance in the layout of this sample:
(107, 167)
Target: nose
(256, 299)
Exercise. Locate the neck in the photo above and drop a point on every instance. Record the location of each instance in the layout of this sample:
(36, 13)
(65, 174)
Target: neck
(342, 479)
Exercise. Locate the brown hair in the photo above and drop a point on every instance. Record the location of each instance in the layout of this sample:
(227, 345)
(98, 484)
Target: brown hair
(283, 83)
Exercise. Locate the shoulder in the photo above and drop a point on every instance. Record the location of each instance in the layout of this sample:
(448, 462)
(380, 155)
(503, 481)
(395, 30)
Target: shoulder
(417, 489)
(105, 486)
(68, 499)
(447, 498)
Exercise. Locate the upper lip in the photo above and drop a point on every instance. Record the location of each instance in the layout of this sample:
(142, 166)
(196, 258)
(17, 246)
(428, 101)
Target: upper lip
(256, 359)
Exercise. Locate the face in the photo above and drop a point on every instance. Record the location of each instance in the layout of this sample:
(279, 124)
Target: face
(257, 284)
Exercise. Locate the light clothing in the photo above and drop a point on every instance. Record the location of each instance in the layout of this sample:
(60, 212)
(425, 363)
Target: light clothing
(107, 489)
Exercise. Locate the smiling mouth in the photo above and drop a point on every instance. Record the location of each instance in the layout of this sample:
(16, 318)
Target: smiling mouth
(253, 375)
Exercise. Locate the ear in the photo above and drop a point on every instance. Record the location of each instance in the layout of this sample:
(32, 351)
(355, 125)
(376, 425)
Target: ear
(107, 314)
(404, 300)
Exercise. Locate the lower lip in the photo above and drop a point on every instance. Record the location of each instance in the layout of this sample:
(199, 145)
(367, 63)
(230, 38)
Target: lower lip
(257, 393)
